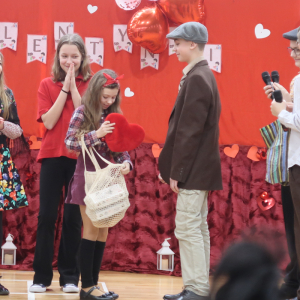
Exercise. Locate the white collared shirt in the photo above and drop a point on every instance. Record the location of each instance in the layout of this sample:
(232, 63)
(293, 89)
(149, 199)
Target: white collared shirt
(292, 120)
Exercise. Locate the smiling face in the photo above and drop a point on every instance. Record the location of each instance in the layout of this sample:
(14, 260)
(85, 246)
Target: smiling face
(183, 49)
(294, 45)
(69, 54)
(108, 97)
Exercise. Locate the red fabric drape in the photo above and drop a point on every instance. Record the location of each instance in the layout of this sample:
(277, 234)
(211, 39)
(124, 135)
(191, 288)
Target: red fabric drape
(132, 244)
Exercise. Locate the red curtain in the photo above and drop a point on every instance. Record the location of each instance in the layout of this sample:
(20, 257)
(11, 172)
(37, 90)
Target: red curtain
(132, 243)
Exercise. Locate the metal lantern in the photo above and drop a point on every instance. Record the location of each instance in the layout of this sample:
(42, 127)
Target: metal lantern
(9, 251)
(165, 257)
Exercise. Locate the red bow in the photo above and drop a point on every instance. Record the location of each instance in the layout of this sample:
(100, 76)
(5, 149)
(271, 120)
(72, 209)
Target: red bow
(111, 80)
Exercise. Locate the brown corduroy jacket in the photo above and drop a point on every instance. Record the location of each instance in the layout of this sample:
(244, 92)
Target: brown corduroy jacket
(191, 151)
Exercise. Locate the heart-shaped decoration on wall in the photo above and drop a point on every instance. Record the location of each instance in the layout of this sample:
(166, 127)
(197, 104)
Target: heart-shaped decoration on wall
(128, 93)
(92, 8)
(34, 144)
(265, 202)
(156, 150)
(252, 153)
(232, 151)
(260, 32)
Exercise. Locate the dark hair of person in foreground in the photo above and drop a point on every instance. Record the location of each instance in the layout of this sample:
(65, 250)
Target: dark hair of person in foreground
(247, 271)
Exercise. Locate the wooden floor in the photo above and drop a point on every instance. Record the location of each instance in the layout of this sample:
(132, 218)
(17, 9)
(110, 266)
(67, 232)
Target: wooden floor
(129, 286)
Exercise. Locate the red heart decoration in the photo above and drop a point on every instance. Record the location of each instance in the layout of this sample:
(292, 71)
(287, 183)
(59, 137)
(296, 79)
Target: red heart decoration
(261, 154)
(182, 11)
(125, 136)
(233, 151)
(34, 143)
(148, 28)
(156, 150)
(252, 153)
(265, 202)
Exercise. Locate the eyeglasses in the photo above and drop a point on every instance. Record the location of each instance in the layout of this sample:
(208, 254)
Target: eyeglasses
(296, 51)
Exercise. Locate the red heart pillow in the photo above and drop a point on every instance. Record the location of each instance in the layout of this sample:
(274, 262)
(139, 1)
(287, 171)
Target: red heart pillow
(125, 136)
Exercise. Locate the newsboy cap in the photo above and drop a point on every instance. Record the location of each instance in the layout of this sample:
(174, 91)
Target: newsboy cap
(191, 31)
(291, 35)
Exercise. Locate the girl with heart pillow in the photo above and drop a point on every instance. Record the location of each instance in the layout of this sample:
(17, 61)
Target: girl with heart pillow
(58, 97)
(101, 98)
(12, 194)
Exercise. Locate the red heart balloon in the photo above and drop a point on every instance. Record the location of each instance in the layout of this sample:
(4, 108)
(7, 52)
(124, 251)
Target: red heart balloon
(125, 136)
(148, 28)
(182, 11)
(265, 202)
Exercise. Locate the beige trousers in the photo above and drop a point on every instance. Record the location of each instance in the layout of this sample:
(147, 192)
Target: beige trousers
(194, 241)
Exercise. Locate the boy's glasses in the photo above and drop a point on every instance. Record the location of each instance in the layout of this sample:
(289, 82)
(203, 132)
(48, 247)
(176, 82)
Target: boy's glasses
(296, 51)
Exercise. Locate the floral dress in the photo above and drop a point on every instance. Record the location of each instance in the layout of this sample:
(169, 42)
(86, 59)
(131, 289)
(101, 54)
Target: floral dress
(12, 193)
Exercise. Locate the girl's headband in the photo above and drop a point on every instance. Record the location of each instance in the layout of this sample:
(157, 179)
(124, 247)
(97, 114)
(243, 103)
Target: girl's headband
(111, 80)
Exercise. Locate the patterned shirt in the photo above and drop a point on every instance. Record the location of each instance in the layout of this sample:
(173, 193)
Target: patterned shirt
(73, 142)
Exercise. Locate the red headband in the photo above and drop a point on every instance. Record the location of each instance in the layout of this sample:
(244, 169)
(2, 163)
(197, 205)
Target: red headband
(111, 80)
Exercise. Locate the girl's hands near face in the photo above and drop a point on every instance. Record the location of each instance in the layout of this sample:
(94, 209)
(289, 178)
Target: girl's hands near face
(1, 123)
(73, 86)
(125, 168)
(104, 129)
(67, 82)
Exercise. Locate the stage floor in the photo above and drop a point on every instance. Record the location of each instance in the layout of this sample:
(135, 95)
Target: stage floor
(128, 285)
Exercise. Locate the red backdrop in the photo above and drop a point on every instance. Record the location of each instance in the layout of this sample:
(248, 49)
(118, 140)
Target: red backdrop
(230, 23)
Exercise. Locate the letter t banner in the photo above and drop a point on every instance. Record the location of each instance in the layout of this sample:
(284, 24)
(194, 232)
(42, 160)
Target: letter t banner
(95, 50)
(36, 48)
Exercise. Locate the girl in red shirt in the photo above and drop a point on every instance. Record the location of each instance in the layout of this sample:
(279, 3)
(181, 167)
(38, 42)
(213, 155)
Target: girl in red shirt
(58, 97)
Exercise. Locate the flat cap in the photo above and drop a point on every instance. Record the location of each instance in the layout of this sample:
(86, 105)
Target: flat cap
(191, 31)
(291, 35)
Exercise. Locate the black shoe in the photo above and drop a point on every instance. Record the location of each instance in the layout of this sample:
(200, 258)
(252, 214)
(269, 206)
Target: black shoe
(186, 295)
(113, 294)
(172, 297)
(3, 290)
(286, 292)
(87, 295)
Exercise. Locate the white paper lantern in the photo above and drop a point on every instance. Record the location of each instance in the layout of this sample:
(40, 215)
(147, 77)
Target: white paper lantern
(9, 251)
(165, 257)
(128, 4)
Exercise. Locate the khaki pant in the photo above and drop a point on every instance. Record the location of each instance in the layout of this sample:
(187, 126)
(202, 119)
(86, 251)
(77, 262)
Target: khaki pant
(194, 241)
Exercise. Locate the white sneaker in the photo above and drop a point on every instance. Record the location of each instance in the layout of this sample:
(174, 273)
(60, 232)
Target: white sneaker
(70, 288)
(37, 288)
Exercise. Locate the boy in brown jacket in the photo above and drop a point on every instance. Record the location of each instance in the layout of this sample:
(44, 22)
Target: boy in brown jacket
(190, 159)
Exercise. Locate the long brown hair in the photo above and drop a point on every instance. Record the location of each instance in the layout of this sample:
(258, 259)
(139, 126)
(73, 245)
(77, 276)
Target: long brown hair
(71, 39)
(91, 100)
(3, 95)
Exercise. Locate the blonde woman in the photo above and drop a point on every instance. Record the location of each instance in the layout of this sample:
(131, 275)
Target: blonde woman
(58, 97)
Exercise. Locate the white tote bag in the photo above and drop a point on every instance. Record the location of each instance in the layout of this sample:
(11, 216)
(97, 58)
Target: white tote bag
(106, 192)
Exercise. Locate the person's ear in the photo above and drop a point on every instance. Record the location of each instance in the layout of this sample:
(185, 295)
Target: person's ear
(193, 46)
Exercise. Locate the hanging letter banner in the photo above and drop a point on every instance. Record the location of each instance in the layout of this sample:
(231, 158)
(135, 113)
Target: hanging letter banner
(36, 48)
(149, 59)
(213, 55)
(95, 50)
(121, 40)
(171, 43)
(61, 29)
(8, 35)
